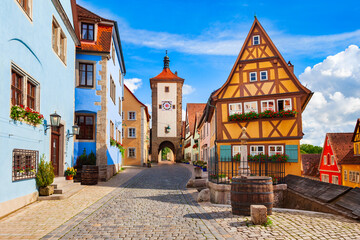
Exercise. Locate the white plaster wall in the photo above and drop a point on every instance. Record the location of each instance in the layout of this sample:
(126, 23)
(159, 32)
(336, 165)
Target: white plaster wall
(168, 117)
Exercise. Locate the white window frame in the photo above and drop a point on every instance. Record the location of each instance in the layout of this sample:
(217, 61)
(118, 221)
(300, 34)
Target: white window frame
(345, 175)
(254, 150)
(276, 151)
(250, 77)
(266, 75)
(30, 6)
(357, 177)
(284, 99)
(325, 160)
(267, 108)
(134, 149)
(332, 157)
(258, 40)
(60, 39)
(325, 176)
(250, 109)
(231, 112)
(335, 178)
(129, 114)
(129, 131)
(236, 149)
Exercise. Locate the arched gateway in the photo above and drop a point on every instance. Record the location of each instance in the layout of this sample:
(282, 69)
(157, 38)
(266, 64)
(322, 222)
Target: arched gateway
(166, 91)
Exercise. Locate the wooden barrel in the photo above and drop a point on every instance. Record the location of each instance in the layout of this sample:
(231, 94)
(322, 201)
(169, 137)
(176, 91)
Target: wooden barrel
(89, 175)
(247, 191)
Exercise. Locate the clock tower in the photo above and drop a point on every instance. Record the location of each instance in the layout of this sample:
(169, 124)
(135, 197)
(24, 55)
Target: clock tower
(166, 91)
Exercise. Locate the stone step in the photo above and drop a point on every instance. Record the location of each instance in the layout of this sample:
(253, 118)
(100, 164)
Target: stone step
(60, 182)
(69, 191)
(65, 188)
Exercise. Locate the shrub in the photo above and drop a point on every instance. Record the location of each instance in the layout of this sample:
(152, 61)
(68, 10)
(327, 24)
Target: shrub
(45, 175)
(85, 159)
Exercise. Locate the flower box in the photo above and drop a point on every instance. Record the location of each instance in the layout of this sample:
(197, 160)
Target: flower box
(266, 114)
(20, 113)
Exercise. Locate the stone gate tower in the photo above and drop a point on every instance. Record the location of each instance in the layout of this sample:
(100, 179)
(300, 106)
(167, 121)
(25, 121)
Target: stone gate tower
(166, 112)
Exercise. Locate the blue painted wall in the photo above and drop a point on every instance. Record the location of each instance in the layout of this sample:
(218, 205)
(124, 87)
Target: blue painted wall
(27, 43)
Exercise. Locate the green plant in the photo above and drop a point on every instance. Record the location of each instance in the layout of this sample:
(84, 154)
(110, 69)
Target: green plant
(91, 159)
(45, 175)
(19, 113)
(117, 144)
(70, 171)
(85, 159)
(266, 114)
(268, 222)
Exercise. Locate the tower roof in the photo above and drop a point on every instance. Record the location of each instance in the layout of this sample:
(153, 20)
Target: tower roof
(166, 73)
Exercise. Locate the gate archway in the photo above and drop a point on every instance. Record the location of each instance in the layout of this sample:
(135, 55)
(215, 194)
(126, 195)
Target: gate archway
(171, 146)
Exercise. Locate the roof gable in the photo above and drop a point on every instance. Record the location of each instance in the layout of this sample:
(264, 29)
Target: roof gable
(126, 89)
(341, 145)
(356, 134)
(192, 110)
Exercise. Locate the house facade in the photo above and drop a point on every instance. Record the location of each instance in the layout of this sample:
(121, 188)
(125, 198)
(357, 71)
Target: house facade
(99, 90)
(37, 66)
(204, 142)
(135, 130)
(263, 95)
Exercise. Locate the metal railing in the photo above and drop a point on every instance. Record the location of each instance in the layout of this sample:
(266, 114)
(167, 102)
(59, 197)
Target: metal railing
(222, 172)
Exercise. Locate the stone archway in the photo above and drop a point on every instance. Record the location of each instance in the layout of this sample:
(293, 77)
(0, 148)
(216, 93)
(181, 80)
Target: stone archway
(170, 145)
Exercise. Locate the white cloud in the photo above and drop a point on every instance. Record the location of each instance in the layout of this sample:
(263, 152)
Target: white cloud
(187, 89)
(133, 84)
(335, 104)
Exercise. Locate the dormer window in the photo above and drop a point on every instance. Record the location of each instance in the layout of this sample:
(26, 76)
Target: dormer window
(87, 31)
(256, 40)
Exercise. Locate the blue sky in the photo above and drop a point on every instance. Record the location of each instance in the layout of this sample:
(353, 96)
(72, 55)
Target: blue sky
(203, 39)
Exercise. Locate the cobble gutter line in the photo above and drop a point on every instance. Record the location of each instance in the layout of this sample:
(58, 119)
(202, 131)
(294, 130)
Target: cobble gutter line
(73, 222)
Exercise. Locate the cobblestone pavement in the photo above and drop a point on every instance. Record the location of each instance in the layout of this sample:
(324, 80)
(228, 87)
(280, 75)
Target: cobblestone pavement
(154, 205)
(286, 224)
(39, 218)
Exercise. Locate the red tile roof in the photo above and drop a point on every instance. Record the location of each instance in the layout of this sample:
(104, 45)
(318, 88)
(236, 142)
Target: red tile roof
(85, 14)
(192, 109)
(341, 144)
(310, 163)
(166, 74)
(146, 108)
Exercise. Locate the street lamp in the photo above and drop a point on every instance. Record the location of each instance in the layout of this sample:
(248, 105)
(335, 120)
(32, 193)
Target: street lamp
(75, 131)
(54, 121)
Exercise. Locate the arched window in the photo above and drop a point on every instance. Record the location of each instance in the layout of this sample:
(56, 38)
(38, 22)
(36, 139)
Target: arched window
(328, 159)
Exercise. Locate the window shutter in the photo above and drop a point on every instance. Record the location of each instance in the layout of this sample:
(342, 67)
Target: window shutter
(225, 153)
(292, 152)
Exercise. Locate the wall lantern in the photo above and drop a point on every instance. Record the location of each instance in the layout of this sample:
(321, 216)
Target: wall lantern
(167, 129)
(54, 121)
(75, 131)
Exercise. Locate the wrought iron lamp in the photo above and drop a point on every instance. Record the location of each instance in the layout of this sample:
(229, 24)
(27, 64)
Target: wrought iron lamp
(54, 121)
(75, 131)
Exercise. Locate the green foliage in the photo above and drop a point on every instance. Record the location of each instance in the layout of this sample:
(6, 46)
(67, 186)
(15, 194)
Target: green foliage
(45, 175)
(308, 148)
(268, 222)
(119, 145)
(85, 159)
(19, 113)
(164, 152)
(266, 114)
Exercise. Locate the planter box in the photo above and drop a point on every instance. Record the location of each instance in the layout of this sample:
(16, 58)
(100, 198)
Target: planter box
(46, 191)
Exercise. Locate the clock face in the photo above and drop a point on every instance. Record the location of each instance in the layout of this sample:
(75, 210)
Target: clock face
(166, 105)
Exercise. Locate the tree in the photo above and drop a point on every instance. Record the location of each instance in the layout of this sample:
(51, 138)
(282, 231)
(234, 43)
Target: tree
(164, 153)
(308, 148)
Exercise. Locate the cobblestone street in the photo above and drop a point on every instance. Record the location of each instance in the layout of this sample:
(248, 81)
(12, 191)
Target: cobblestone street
(154, 204)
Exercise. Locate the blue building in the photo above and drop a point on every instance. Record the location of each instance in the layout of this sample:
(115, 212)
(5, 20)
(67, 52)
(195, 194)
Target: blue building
(99, 90)
(37, 65)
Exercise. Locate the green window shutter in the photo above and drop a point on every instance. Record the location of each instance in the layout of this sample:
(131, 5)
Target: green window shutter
(225, 153)
(292, 152)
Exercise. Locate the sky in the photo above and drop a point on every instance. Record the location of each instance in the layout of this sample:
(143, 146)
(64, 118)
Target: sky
(203, 39)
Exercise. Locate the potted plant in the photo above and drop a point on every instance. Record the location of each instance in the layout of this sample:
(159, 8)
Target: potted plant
(204, 167)
(70, 173)
(149, 164)
(45, 177)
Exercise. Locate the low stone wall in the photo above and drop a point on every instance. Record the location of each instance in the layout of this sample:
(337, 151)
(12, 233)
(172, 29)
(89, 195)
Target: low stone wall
(219, 193)
(14, 204)
(279, 192)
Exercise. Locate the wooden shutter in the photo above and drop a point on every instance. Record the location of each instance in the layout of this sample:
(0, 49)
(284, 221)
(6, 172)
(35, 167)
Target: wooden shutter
(292, 152)
(225, 153)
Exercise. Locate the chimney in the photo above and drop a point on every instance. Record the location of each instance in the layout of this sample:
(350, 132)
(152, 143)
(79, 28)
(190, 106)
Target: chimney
(291, 66)
(176, 73)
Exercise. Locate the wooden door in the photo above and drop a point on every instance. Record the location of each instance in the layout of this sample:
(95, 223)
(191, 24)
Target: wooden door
(55, 158)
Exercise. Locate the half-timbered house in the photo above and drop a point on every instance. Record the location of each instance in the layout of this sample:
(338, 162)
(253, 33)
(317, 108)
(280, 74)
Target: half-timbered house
(263, 95)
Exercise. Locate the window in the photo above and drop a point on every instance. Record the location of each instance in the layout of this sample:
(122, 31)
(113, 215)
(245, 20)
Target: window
(132, 152)
(356, 149)
(111, 129)
(328, 142)
(87, 31)
(268, 105)
(132, 132)
(236, 150)
(16, 89)
(160, 106)
(86, 74)
(235, 108)
(26, 6)
(345, 175)
(253, 77)
(276, 149)
(328, 159)
(132, 116)
(250, 107)
(31, 95)
(24, 164)
(335, 180)
(122, 115)
(120, 106)
(112, 90)
(122, 133)
(357, 178)
(87, 126)
(166, 89)
(256, 40)
(263, 75)
(325, 178)
(256, 150)
(332, 160)
(352, 176)
(284, 104)
(325, 160)
(58, 40)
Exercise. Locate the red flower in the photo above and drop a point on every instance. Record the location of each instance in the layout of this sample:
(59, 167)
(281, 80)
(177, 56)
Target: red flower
(22, 106)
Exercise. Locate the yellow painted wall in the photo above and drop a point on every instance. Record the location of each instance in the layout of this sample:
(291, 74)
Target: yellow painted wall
(348, 168)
